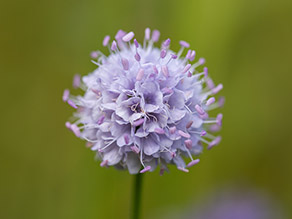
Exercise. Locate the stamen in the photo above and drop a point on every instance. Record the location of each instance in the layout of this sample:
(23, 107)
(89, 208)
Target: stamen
(155, 35)
(164, 70)
(76, 81)
(138, 122)
(210, 101)
(159, 131)
(183, 169)
(106, 40)
(71, 103)
(184, 134)
(75, 130)
(184, 44)
(125, 64)
(145, 169)
(188, 143)
(66, 95)
(135, 149)
(190, 74)
(104, 163)
(140, 74)
(203, 133)
(193, 162)
(199, 109)
(128, 37)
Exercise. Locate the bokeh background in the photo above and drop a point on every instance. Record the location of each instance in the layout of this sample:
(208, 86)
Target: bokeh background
(48, 173)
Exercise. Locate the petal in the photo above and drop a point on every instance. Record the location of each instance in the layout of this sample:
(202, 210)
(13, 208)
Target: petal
(133, 163)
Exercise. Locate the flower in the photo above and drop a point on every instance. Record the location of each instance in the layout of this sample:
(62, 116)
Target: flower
(144, 106)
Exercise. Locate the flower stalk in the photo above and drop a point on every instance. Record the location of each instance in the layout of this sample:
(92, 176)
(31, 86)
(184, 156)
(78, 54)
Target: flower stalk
(137, 193)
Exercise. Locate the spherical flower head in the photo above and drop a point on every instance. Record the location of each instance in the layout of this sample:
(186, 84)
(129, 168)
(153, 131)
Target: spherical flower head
(145, 107)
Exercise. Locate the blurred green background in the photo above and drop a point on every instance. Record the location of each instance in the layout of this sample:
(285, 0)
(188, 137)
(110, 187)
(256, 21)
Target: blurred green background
(48, 173)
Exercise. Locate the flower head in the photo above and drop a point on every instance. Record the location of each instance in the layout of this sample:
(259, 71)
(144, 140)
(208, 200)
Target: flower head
(144, 106)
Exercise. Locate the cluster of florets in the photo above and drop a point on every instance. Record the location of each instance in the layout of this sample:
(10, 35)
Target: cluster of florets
(145, 107)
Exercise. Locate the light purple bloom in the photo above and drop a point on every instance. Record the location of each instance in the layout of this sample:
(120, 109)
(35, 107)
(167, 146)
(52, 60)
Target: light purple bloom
(145, 107)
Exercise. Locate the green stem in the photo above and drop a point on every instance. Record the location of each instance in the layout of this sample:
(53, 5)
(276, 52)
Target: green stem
(137, 191)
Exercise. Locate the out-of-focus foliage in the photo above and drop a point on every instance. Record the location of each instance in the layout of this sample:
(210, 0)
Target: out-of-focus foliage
(48, 173)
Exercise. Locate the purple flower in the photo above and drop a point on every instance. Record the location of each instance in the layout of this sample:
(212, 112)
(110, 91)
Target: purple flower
(144, 106)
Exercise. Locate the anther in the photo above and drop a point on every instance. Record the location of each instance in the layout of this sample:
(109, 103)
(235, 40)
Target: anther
(166, 43)
(136, 43)
(217, 88)
(210, 101)
(71, 103)
(219, 119)
(66, 94)
(68, 125)
(75, 130)
(215, 142)
(193, 162)
(147, 33)
(184, 134)
(155, 35)
(184, 44)
(76, 81)
(128, 37)
(188, 143)
(186, 68)
(100, 120)
(199, 109)
(202, 61)
(189, 124)
(138, 122)
(114, 46)
(126, 138)
(172, 130)
(140, 74)
(159, 131)
(205, 71)
(183, 169)
(135, 149)
(145, 169)
(106, 40)
(163, 53)
(137, 57)
(203, 133)
(104, 163)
